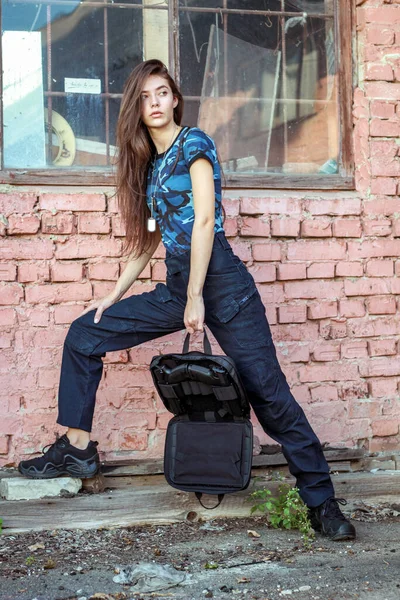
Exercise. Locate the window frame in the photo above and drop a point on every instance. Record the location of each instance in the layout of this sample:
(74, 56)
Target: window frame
(344, 180)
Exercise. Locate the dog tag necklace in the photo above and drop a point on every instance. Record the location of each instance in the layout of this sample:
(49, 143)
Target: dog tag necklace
(151, 222)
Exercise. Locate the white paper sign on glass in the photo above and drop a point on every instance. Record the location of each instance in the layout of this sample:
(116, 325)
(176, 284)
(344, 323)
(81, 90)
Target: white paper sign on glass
(75, 85)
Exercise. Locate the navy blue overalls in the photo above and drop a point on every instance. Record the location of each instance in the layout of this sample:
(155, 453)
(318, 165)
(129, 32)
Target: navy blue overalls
(236, 316)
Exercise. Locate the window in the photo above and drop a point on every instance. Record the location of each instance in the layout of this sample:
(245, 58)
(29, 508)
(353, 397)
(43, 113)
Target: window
(270, 80)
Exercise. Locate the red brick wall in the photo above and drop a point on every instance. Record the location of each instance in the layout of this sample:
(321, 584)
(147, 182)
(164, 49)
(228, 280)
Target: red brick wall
(327, 266)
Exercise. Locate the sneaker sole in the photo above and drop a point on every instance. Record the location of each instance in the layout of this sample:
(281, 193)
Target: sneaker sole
(79, 469)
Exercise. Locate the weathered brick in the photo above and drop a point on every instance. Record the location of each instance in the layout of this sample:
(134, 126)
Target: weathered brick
(74, 202)
(316, 227)
(346, 228)
(18, 224)
(349, 269)
(396, 227)
(11, 293)
(381, 305)
(104, 270)
(242, 250)
(7, 317)
(18, 249)
(351, 308)
(385, 186)
(379, 72)
(66, 271)
(383, 36)
(103, 288)
(364, 408)
(294, 352)
(66, 313)
(56, 293)
(58, 224)
(354, 349)
(36, 316)
(385, 205)
(325, 352)
(377, 227)
(158, 271)
(366, 287)
(374, 326)
(88, 248)
(291, 271)
(292, 313)
(279, 205)
(28, 272)
(266, 252)
(383, 347)
(324, 206)
(385, 427)
(8, 271)
(340, 371)
(313, 289)
(285, 227)
(263, 273)
(310, 250)
(231, 227)
(231, 206)
(322, 310)
(92, 223)
(379, 268)
(297, 332)
(255, 227)
(383, 90)
(322, 270)
(389, 15)
(373, 249)
(133, 440)
(118, 227)
(380, 367)
(271, 293)
(14, 202)
(334, 329)
(324, 393)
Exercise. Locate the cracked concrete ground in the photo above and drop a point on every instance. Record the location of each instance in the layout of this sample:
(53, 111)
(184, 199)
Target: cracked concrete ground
(81, 564)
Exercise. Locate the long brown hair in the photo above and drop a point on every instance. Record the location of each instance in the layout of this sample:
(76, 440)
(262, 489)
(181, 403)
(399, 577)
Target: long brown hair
(135, 150)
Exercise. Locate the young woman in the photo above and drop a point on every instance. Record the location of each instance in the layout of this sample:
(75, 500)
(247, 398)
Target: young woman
(169, 189)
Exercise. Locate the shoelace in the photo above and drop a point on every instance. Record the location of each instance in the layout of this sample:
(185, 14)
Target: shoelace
(49, 446)
(332, 510)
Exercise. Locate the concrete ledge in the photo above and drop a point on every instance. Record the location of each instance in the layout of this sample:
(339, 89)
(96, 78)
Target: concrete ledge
(22, 488)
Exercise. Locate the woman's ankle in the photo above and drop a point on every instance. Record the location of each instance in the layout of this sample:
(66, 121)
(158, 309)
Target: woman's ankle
(78, 438)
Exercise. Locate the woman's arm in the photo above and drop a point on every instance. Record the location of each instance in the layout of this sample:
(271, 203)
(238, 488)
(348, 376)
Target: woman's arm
(201, 173)
(134, 267)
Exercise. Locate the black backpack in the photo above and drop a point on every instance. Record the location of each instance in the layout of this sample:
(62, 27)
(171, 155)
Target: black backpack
(209, 441)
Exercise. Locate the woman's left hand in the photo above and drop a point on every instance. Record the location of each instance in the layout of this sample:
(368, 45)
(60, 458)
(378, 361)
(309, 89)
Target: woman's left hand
(194, 314)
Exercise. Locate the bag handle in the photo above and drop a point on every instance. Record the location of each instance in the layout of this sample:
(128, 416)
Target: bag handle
(206, 344)
(220, 498)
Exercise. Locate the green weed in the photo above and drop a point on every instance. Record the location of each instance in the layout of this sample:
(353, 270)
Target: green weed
(285, 511)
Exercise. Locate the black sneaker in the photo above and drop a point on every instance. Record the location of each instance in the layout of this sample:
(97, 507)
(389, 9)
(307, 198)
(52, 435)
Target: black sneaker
(62, 458)
(328, 519)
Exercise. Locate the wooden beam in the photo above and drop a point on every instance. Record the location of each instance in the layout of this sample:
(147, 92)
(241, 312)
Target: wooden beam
(152, 501)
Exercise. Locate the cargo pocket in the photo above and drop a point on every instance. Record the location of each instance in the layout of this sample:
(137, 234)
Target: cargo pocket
(163, 293)
(244, 318)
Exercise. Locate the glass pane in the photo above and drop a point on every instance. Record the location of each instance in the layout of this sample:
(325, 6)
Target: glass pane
(58, 95)
(263, 101)
(310, 6)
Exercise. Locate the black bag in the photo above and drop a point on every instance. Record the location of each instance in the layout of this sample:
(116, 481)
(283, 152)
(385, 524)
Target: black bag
(209, 441)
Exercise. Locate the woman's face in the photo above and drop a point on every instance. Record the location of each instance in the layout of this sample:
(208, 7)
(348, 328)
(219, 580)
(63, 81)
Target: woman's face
(158, 102)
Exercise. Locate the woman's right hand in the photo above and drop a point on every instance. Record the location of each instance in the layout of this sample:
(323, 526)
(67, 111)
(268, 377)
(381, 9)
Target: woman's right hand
(101, 306)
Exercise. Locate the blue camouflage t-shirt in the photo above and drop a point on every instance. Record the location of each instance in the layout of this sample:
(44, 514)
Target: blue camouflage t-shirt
(172, 188)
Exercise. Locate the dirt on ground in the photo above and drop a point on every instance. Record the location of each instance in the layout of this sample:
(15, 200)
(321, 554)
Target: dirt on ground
(222, 559)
